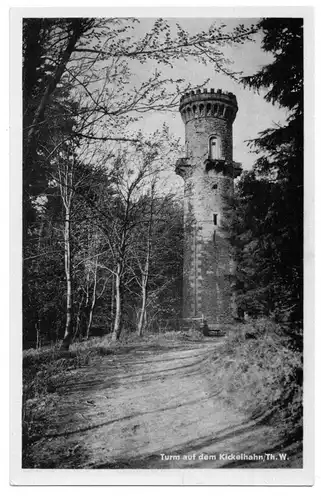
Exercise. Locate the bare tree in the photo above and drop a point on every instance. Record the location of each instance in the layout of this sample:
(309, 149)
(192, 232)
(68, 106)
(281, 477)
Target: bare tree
(144, 269)
(141, 252)
(65, 180)
(69, 175)
(127, 210)
(150, 253)
(122, 230)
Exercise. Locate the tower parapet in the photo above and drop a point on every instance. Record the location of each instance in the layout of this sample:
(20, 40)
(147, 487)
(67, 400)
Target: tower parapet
(204, 103)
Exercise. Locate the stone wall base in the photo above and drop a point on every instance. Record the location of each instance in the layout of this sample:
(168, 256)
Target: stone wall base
(207, 328)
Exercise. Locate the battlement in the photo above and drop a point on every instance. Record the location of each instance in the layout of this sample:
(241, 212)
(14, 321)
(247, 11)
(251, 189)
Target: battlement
(198, 92)
(202, 103)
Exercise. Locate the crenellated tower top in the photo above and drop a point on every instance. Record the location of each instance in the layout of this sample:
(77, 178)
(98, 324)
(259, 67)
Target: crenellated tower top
(202, 103)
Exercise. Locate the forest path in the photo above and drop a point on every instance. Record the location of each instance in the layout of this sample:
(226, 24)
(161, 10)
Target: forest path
(145, 401)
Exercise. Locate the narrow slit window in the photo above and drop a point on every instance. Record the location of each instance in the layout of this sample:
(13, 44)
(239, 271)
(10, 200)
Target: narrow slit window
(215, 219)
(214, 237)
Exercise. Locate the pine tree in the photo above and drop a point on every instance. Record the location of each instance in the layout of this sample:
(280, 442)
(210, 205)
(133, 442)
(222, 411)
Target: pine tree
(267, 228)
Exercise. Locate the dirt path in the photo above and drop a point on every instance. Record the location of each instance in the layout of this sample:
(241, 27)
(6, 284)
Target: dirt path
(150, 407)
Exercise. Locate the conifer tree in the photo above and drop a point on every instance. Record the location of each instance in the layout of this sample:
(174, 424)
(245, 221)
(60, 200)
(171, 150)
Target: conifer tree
(267, 228)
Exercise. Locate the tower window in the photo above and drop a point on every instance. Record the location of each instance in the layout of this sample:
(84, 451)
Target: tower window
(215, 219)
(215, 148)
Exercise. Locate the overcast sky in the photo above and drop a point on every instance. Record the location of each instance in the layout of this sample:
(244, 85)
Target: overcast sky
(254, 113)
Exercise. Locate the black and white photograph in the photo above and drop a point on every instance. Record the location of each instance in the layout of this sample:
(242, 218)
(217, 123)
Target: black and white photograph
(165, 253)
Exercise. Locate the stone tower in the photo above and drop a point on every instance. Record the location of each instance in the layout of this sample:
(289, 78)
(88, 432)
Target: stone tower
(208, 171)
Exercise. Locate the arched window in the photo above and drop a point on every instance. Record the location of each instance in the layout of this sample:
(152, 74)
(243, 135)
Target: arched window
(215, 152)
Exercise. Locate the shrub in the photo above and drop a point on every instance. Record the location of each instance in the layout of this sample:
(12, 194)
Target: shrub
(261, 373)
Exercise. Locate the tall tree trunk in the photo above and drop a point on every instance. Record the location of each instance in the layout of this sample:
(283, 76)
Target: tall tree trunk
(78, 316)
(69, 305)
(118, 303)
(145, 273)
(142, 314)
(38, 341)
(112, 300)
(93, 300)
